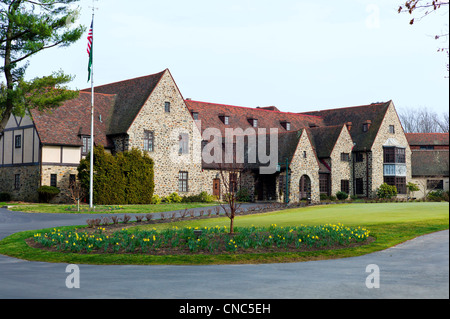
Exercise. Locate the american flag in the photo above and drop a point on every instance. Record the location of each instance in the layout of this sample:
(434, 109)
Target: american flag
(90, 38)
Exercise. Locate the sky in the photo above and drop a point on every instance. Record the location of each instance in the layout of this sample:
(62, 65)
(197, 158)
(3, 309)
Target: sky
(296, 55)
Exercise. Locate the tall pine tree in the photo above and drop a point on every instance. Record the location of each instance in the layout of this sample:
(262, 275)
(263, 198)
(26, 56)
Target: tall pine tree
(26, 28)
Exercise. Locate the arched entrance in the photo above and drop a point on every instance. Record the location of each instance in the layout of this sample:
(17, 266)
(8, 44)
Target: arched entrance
(305, 188)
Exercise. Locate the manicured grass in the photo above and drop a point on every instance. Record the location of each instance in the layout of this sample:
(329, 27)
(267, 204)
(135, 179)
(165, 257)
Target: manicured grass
(124, 209)
(390, 224)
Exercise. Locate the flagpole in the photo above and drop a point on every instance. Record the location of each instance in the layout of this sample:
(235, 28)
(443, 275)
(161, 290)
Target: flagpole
(91, 179)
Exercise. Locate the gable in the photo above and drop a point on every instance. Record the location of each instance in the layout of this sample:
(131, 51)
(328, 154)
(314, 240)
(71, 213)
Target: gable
(130, 97)
(357, 116)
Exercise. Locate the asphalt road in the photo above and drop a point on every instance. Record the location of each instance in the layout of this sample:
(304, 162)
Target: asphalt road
(417, 269)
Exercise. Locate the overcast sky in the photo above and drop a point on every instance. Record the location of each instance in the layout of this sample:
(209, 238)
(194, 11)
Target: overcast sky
(296, 55)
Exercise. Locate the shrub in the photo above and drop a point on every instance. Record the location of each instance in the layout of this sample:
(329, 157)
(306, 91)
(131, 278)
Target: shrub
(47, 193)
(386, 191)
(156, 199)
(436, 196)
(5, 197)
(174, 198)
(243, 195)
(126, 178)
(341, 195)
(323, 197)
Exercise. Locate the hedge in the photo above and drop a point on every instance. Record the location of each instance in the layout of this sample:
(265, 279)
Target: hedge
(126, 178)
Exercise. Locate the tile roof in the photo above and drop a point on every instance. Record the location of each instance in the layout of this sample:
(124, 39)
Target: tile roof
(131, 96)
(65, 125)
(209, 115)
(430, 163)
(357, 115)
(428, 138)
(324, 138)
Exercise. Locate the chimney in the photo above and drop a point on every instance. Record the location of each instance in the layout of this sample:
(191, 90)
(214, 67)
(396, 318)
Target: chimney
(349, 125)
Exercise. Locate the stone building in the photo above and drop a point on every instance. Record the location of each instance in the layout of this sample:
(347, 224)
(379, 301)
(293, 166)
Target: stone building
(429, 161)
(276, 155)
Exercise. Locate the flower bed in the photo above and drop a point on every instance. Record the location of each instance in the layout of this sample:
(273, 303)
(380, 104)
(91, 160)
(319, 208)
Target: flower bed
(213, 240)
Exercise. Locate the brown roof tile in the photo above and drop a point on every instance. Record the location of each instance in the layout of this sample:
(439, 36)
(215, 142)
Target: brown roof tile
(357, 115)
(428, 138)
(65, 125)
(430, 163)
(131, 96)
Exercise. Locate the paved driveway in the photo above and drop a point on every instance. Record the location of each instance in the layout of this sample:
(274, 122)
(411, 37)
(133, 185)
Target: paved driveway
(416, 269)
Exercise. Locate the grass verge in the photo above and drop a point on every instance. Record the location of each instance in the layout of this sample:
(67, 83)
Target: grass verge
(124, 209)
(390, 225)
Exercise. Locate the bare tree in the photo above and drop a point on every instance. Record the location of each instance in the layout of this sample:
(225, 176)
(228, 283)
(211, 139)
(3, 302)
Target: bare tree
(230, 175)
(423, 120)
(423, 8)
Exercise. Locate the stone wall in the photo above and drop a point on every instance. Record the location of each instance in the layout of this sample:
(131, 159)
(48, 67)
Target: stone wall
(62, 181)
(167, 127)
(341, 170)
(29, 182)
(377, 167)
(304, 165)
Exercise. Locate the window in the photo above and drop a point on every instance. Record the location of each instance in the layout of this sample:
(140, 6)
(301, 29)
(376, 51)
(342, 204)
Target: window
(286, 125)
(86, 145)
(427, 147)
(365, 127)
(195, 115)
(392, 129)
(435, 184)
(398, 182)
(345, 157)
(389, 155)
(394, 155)
(304, 154)
(359, 186)
(149, 140)
(253, 122)
(184, 143)
(400, 155)
(18, 141)
(324, 183)
(345, 186)
(53, 180)
(167, 107)
(183, 182)
(226, 120)
(359, 157)
(17, 181)
(233, 182)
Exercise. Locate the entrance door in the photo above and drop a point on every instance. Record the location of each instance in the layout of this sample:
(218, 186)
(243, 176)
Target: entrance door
(305, 187)
(216, 187)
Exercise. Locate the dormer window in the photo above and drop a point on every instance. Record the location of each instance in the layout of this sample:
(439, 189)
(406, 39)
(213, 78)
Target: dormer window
(253, 122)
(195, 115)
(225, 119)
(86, 145)
(366, 125)
(286, 125)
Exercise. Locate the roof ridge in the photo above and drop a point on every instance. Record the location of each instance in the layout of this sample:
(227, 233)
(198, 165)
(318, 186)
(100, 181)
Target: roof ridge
(348, 107)
(251, 108)
(127, 80)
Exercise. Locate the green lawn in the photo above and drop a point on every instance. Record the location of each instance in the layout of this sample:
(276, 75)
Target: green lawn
(125, 209)
(389, 223)
(347, 214)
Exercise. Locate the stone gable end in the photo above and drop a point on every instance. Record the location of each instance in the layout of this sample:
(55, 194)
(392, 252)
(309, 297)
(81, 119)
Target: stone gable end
(377, 169)
(166, 127)
(304, 162)
(340, 169)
